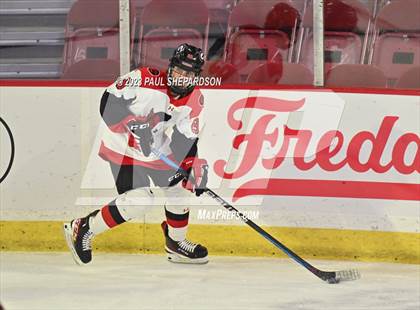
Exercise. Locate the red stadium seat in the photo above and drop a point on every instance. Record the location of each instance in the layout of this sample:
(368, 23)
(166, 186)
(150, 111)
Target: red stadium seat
(258, 33)
(397, 48)
(92, 69)
(81, 14)
(282, 74)
(268, 73)
(296, 74)
(339, 48)
(345, 39)
(92, 32)
(92, 35)
(348, 75)
(91, 43)
(165, 24)
(410, 79)
(227, 72)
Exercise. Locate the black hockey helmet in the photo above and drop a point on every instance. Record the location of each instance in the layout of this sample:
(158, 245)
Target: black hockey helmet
(188, 58)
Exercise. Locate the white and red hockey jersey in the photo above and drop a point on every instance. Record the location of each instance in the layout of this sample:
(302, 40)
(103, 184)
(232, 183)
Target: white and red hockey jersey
(142, 96)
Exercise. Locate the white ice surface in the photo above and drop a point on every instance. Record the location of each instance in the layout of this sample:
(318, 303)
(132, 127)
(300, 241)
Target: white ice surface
(53, 281)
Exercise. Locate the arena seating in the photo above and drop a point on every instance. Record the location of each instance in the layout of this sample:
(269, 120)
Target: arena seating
(281, 73)
(295, 74)
(245, 41)
(268, 73)
(164, 25)
(259, 33)
(92, 32)
(93, 69)
(410, 79)
(345, 38)
(356, 75)
(396, 46)
(226, 71)
(32, 37)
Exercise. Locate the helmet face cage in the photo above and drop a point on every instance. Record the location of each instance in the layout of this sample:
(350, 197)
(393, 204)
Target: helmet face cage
(188, 58)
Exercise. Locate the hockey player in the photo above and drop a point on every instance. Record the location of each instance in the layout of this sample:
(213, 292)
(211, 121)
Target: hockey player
(139, 116)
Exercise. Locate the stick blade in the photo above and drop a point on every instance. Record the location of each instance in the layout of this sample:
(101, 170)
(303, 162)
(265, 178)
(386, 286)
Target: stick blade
(348, 275)
(343, 275)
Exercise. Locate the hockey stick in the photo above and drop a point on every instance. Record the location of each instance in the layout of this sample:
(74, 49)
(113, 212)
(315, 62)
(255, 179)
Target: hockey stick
(328, 276)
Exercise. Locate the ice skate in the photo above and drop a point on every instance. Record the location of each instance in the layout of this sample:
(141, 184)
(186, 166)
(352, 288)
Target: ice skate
(184, 251)
(79, 239)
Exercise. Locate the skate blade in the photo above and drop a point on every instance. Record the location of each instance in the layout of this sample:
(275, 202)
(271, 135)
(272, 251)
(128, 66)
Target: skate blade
(180, 259)
(68, 234)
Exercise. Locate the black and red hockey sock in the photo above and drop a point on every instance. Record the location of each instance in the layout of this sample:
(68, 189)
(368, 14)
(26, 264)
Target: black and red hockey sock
(177, 223)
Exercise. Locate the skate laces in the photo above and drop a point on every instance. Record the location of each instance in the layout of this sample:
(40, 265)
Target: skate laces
(187, 245)
(87, 241)
(82, 227)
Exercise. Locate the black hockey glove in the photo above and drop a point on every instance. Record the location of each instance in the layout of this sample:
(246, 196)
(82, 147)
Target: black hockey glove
(197, 169)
